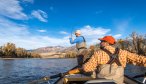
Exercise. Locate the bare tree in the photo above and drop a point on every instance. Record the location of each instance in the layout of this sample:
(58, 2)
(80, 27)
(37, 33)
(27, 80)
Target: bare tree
(135, 43)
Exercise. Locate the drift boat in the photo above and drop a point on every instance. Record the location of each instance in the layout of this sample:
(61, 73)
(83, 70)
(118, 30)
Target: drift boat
(82, 79)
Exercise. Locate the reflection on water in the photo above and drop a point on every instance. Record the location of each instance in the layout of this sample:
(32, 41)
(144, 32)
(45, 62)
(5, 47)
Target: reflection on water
(22, 71)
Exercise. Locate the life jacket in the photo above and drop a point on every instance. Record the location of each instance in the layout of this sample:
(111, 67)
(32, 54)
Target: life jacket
(109, 71)
(81, 45)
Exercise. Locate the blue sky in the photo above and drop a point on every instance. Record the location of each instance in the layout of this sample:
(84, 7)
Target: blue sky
(31, 24)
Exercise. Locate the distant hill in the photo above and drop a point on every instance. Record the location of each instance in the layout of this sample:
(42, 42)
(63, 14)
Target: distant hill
(55, 49)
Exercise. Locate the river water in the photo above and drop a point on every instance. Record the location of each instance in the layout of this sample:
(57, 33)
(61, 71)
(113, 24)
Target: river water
(22, 71)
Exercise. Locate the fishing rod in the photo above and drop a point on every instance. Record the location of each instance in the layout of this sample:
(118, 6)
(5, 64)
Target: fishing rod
(71, 33)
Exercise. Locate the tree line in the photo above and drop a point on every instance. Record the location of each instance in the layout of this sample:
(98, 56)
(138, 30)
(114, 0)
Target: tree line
(9, 50)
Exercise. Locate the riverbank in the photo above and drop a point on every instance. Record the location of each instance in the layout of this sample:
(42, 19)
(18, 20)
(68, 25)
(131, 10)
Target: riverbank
(27, 58)
(20, 58)
(43, 57)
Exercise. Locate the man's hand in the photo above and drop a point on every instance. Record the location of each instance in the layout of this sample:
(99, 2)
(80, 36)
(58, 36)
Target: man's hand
(70, 37)
(74, 71)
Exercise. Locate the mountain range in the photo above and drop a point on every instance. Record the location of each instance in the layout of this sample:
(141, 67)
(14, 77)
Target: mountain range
(56, 49)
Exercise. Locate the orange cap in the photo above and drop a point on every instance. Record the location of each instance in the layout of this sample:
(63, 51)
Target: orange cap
(108, 39)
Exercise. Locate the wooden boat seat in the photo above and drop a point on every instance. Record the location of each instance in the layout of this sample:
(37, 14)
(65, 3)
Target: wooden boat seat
(76, 77)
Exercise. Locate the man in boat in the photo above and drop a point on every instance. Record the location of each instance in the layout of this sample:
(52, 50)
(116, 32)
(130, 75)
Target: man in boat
(101, 59)
(80, 45)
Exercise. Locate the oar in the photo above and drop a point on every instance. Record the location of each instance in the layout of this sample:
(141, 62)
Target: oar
(64, 75)
(46, 78)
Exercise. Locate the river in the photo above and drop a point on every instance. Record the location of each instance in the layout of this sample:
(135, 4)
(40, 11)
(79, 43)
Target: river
(22, 71)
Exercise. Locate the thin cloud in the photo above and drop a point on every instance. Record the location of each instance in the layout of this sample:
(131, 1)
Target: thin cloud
(42, 31)
(8, 28)
(40, 15)
(122, 25)
(117, 36)
(12, 9)
(63, 32)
